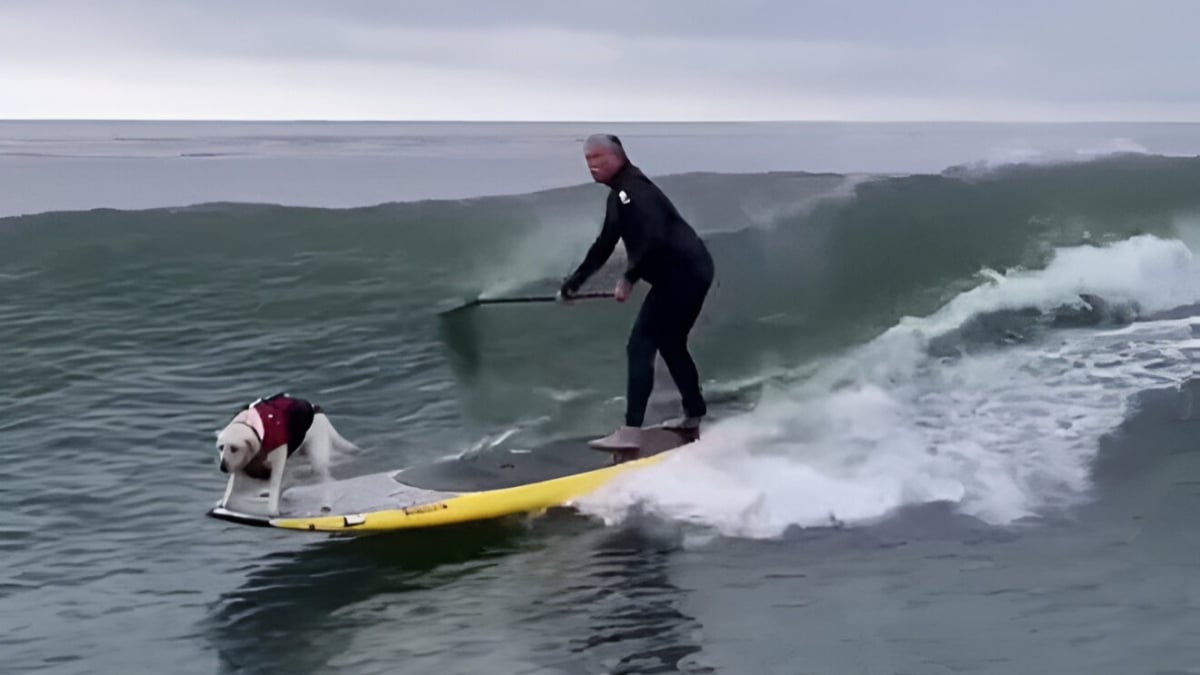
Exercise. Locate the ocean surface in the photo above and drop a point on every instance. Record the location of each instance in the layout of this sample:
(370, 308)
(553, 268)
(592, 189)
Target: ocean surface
(956, 419)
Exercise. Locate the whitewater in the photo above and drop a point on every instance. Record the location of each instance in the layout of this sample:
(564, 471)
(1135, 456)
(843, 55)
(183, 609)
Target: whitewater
(1004, 434)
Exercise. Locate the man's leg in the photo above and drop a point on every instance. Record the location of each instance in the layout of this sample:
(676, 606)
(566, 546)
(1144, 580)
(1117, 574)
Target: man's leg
(687, 379)
(674, 349)
(640, 351)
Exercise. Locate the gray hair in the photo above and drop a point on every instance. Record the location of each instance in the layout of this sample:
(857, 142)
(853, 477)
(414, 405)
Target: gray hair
(607, 141)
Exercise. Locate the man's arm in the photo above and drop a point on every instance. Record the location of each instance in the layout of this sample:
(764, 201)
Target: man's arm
(597, 254)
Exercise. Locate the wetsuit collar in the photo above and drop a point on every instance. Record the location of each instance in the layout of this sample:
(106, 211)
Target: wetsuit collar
(627, 169)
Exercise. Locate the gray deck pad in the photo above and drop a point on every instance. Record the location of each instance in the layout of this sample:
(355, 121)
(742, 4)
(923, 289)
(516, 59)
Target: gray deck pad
(512, 465)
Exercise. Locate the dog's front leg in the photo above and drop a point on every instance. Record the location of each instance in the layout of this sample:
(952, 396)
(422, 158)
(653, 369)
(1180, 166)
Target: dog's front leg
(276, 458)
(228, 491)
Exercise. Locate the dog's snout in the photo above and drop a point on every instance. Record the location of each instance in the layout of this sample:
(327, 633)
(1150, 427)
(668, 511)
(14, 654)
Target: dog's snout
(224, 467)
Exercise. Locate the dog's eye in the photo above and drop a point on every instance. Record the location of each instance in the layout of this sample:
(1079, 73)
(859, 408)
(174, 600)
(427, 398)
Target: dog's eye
(234, 449)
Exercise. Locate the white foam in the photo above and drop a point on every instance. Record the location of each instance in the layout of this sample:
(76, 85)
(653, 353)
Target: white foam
(1002, 436)
(561, 238)
(1012, 154)
(1155, 273)
(1119, 145)
(548, 252)
(768, 213)
(1018, 152)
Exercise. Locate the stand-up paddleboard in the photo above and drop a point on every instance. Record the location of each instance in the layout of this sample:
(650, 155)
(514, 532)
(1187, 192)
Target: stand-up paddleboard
(489, 484)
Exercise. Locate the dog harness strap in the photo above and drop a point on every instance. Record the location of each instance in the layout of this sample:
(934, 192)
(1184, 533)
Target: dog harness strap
(254, 429)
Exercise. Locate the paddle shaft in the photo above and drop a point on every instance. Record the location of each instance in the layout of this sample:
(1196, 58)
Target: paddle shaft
(540, 298)
(528, 299)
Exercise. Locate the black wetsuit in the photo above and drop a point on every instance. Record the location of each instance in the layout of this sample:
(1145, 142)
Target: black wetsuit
(667, 253)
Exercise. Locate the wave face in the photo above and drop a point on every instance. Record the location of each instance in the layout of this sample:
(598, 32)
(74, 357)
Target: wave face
(874, 343)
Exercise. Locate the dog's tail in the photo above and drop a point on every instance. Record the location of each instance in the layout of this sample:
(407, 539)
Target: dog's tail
(340, 444)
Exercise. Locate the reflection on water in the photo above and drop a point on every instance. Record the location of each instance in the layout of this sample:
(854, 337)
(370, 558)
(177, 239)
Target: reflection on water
(633, 608)
(288, 614)
(561, 594)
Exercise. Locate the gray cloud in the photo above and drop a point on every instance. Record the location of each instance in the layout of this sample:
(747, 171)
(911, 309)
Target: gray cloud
(621, 59)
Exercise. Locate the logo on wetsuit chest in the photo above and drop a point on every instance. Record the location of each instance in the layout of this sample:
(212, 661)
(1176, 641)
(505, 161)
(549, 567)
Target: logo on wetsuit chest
(623, 197)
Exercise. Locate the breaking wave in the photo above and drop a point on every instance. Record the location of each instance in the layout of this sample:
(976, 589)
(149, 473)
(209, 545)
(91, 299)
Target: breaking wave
(1001, 434)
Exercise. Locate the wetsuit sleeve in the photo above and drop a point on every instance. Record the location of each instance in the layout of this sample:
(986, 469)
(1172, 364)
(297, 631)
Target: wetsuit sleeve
(651, 217)
(597, 254)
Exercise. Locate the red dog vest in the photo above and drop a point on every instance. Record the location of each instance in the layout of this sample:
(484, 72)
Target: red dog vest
(278, 420)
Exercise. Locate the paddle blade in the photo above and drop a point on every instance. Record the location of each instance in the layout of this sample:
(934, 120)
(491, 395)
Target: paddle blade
(458, 332)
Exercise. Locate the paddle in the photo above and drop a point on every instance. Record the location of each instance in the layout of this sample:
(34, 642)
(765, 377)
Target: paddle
(523, 299)
(458, 331)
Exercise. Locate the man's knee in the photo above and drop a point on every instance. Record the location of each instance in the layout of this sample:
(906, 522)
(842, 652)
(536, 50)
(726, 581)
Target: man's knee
(640, 347)
(673, 349)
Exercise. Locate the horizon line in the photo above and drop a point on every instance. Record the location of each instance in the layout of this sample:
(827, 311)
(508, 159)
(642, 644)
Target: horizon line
(587, 121)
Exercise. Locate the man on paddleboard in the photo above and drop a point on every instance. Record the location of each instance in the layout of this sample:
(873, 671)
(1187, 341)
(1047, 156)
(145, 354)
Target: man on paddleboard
(665, 252)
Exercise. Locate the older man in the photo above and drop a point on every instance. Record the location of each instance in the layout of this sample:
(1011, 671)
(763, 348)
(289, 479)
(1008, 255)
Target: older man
(665, 252)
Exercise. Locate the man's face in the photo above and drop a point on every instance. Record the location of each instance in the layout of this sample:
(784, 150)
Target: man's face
(602, 161)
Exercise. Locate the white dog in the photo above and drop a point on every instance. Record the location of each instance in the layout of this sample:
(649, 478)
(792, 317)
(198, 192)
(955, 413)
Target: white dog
(260, 439)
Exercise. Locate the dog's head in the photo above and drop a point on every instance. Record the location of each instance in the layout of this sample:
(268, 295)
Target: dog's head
(237, 444)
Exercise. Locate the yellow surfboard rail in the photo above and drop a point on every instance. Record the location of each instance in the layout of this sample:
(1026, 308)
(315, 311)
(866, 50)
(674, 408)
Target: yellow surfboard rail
(472, 506)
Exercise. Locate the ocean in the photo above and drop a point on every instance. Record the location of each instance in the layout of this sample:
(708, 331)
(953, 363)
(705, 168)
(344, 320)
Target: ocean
(950, 366)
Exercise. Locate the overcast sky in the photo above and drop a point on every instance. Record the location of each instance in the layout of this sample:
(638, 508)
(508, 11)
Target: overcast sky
(609, 60)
